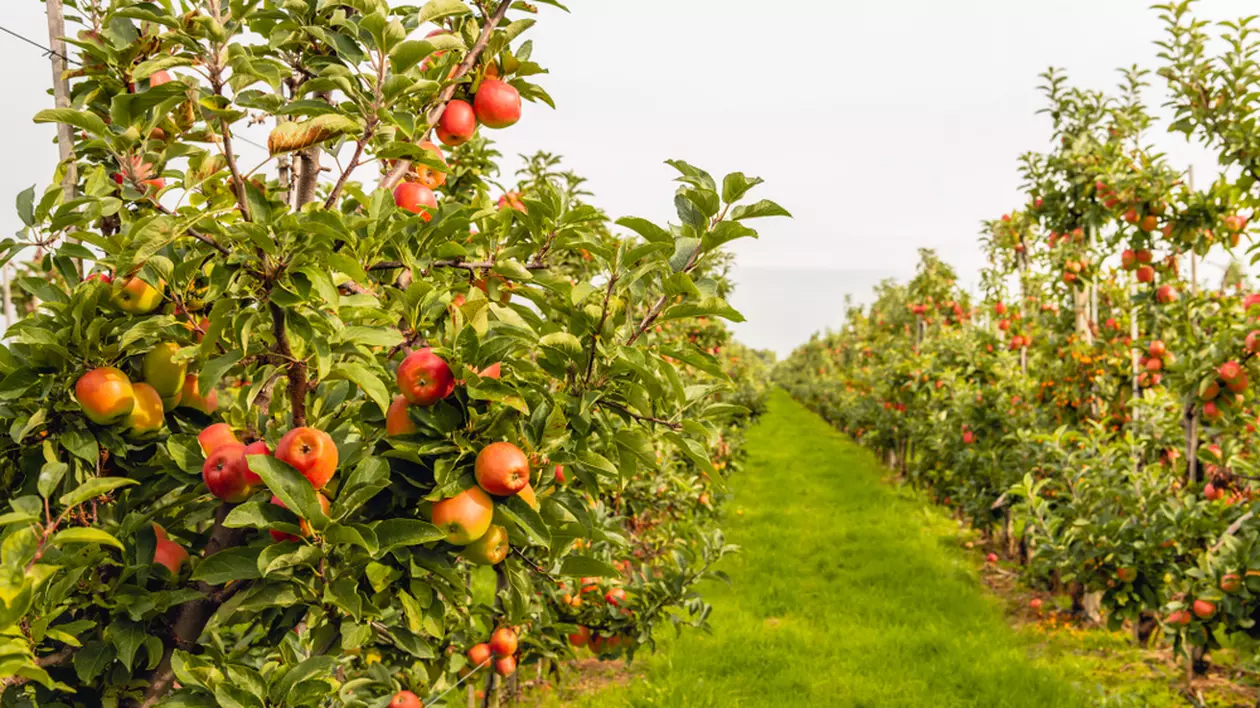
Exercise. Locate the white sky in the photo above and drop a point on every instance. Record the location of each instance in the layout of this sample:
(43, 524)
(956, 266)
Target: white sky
(883, 125)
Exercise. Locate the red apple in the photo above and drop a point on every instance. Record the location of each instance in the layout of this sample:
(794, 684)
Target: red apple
(415, 198)
(311, 452)
(502, 469)
(424, 378)
(464, 517)
(497, 104)
(503, 642)
(405, 699)
(1203, 609)
(224, 473)
(457, 124)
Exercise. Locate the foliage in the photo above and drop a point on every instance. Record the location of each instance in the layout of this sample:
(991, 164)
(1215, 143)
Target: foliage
(291, 300)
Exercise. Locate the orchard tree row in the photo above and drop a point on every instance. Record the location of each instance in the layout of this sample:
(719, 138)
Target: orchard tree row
(1092, 408)
(357, 425)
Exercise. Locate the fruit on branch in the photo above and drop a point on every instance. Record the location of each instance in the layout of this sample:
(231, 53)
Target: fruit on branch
(405, 699)
(479, 654)
(1165, 294)
(1035, 604)
(224, 473)
(1231, 583)
(464, 517)
(311, 452)
(490, 549)
(1145, 257)
(502, 469)
(170, 554)
(1145, 274)
(1203, 609)
(1131, 216)
(512, 200)
(1230, 371)
(258, 447)
(105, 395)
(163, 373)
(503, 642)
(1126, 575)
(427, 176)
(1211, 411)
(415, 198)
(1179, 618)
(581, 637)
(148, 415)
(424, 378)
(616, 596)
(1128, 259)
(497, 104)
(303, 526)
(1157, 349)
(1211, 492)
(1149, 223)
(398, 419)
(999, 309)
(136, 296)
(141, 171)
(991, 558)
(457, 124)
(1235, 223)
(1253, 341)
(216, 436)
(1239, 384)
(505, 667)
(189, 397)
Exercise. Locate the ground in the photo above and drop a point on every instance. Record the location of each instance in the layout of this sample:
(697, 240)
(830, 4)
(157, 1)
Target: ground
(848, 592)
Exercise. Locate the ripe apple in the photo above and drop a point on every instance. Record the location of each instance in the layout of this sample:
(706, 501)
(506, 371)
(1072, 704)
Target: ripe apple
(311, 452)
(457, 124)
(148, 415)
(1253, 341)
(1035, 604)
(1144, 256)
(136, 296)
(1180, 618)
(999, 309)
(1128, 259)
(224, 473)
(1126, 575)
(1157, 349)
(424, 378)
(1231, 583)
(497, 104)
(1239, 384)
(1131, 216)
(216, 436)
(991, 558)
(305, 528)
(490, 549)
(258, 447)
(415, 198)
(1149, 223)
(431, 177)
(528, 494)
(464, 517)
(616, 596)
(1153, 364)
(1145, 274)
(1203, 609)
(1230, 370)
(512, 200)
(398, 420)
(502, 469)
(503, 642)
(190, 398)
(105, 395)
(162, 372)
(1211, 411)
(170, 554)
(505, 667)
(405, 699)
(1165, 294)
(479, 655)
(1213, 493)
(581, 637)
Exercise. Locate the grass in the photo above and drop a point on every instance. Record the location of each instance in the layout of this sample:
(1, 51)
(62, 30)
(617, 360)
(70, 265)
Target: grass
(848, 592)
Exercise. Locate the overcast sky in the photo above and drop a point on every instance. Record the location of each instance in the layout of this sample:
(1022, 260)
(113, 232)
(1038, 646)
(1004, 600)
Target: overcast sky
(884, 126)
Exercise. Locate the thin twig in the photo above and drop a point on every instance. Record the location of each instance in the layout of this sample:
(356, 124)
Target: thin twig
(649, 419)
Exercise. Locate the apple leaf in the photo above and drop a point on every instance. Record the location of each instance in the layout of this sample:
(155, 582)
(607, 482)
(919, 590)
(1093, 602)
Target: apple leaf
(292, 488)
(765, 207)
(526, 520)
(93, 488)
(228, 565)
(587, 566)
(84, 534)
(392, 533)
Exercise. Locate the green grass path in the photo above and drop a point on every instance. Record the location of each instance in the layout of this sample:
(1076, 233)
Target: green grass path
(848, 592)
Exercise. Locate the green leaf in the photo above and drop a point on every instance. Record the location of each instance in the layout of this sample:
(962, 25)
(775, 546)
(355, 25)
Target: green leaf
(314, 666)
(725, 232)
(736, 185)
(83, 534)
(649, 231)
(526, 520)
(411, 52)
(392, 533)
(765, 207)
(228, 565)
(363, 377)
(292, 488)
(93, 488)
(587, 566)
(83, 120)
(92, 659)
(212, 372)
(365, 481)
(437, 9)
(370, 336)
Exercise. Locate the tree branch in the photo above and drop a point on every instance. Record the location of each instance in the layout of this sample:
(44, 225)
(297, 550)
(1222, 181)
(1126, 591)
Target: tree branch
(647, 419)
(603, 318)
(439, 106)
(296, 368)
(190, 618)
